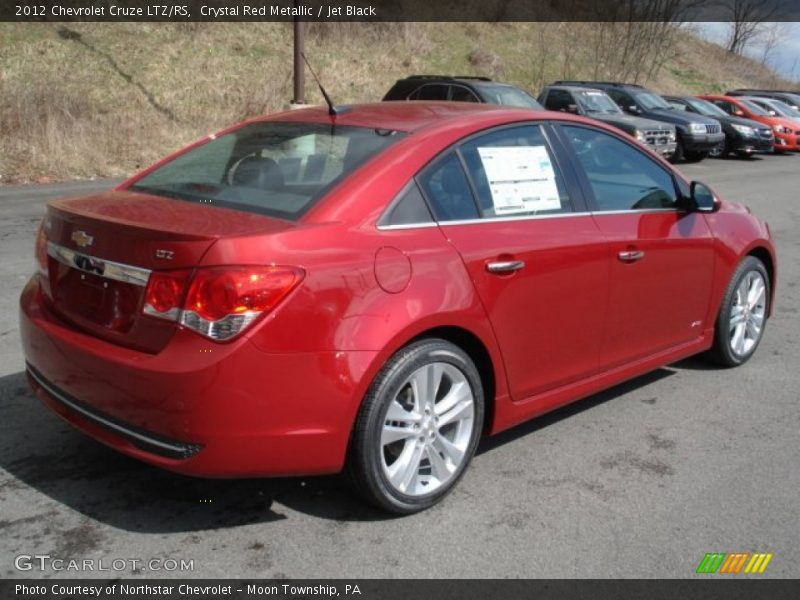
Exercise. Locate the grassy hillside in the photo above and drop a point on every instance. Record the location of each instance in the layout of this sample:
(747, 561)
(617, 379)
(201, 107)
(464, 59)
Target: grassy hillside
(106, 99)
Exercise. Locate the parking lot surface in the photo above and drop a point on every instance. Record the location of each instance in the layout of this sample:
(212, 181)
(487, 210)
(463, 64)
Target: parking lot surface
(639, 481)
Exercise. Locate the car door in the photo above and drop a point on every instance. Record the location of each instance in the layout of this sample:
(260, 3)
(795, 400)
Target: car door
(535, 255)
(661, 257)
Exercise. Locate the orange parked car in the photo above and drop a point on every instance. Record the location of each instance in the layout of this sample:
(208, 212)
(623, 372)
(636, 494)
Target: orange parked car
(787, 132)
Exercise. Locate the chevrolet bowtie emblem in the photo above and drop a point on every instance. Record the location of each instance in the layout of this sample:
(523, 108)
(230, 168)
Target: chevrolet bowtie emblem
(82, 238)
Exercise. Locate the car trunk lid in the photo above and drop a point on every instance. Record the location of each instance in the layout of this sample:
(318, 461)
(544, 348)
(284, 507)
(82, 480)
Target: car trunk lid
(102, 249)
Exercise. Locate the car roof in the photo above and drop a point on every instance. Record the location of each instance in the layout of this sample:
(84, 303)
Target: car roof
(398, 115)
(601, 85)
(573, 88)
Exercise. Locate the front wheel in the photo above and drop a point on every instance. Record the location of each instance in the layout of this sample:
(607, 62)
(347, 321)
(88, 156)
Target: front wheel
(679, 154)
(418, 427)
(742, 315)
(719, 151)
(694, 156)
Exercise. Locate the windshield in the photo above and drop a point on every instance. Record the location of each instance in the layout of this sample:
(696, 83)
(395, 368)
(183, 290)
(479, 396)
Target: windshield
(651, 101)
(277, 169)
(597, 102)
(704, 107)
(792, 100)
(754, 108)
(782, 109)
(509, 95)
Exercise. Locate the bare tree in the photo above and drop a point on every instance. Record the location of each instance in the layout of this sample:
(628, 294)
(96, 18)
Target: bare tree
(748, 18)
(772, 36)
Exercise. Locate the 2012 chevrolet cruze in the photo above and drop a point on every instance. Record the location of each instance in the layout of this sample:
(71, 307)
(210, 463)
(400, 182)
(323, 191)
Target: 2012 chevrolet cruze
(377, 288)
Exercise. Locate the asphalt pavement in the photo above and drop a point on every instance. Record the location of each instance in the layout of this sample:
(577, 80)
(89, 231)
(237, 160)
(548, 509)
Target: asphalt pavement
(638, 481)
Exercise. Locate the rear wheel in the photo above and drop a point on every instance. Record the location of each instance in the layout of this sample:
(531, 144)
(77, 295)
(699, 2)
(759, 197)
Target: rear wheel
(742, 315)
(418, 427)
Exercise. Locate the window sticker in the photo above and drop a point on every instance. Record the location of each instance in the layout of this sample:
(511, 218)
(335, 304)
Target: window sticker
(521, 179)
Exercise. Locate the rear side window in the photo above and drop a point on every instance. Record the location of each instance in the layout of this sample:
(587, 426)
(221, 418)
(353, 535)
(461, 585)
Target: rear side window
(458, 93)
(448, 190)
(408, 208)
(621, 176)
(515, 174)
(431, 91)
(277, 169)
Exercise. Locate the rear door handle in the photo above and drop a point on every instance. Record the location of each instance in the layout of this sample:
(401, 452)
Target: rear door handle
(505, 266)
(630, 256)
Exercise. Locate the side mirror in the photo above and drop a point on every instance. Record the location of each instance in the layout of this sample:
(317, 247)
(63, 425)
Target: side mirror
(738, 112)
(633, 109)
(702, 198)
(572, 108)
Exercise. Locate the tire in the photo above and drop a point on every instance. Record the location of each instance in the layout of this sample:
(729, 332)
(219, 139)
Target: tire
(693, 157)
(735, 344)
(680, 152)
(401, 457)
(720, 150)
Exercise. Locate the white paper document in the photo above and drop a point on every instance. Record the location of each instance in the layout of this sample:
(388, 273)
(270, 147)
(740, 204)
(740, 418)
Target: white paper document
(521, 179)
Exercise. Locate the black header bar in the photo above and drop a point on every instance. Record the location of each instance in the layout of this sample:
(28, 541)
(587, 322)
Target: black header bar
(390, 10)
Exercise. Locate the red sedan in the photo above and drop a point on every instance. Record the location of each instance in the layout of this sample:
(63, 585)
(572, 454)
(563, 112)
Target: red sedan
(787, 133)
(376, 289)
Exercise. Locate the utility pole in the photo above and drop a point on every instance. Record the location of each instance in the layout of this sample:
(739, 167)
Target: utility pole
(299, 66)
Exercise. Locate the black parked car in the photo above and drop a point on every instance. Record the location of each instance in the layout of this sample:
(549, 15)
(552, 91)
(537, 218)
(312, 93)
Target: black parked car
(790, 98)
(697, 135)
(742, 136)
(463, 88)
(596, 104)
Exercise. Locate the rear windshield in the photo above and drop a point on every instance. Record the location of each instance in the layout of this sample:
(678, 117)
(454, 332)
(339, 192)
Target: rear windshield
(277, 169)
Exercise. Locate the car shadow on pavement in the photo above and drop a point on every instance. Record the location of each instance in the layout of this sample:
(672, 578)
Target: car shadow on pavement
(574, 408)
(40, 451)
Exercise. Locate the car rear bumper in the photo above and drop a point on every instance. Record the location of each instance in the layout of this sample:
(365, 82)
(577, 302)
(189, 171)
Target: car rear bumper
(197, 407)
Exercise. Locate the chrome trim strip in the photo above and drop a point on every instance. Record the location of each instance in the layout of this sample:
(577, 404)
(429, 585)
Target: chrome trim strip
(105, 422)
(98, 266)
(528, 218)
(407, 226)
(637, 211)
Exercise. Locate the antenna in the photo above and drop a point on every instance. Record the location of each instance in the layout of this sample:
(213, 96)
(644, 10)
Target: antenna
(331, 108)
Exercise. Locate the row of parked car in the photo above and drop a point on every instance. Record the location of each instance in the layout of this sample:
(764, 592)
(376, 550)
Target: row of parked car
(681, 128)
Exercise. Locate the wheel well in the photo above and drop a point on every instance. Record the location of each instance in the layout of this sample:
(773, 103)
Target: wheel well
(764, 256)
(479, 355)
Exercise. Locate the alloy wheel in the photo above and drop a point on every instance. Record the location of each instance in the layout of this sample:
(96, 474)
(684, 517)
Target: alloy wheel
(748, 311)
(427, 429)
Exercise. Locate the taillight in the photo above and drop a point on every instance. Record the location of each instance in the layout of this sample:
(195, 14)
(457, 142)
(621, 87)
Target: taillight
(41, 251)
(221, 301)
(164, 294)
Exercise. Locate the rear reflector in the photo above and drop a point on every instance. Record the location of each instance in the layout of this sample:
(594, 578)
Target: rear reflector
(221, 301)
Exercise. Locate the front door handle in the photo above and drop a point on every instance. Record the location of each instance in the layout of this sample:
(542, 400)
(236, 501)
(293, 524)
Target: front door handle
(629, 256)
(505, 266)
